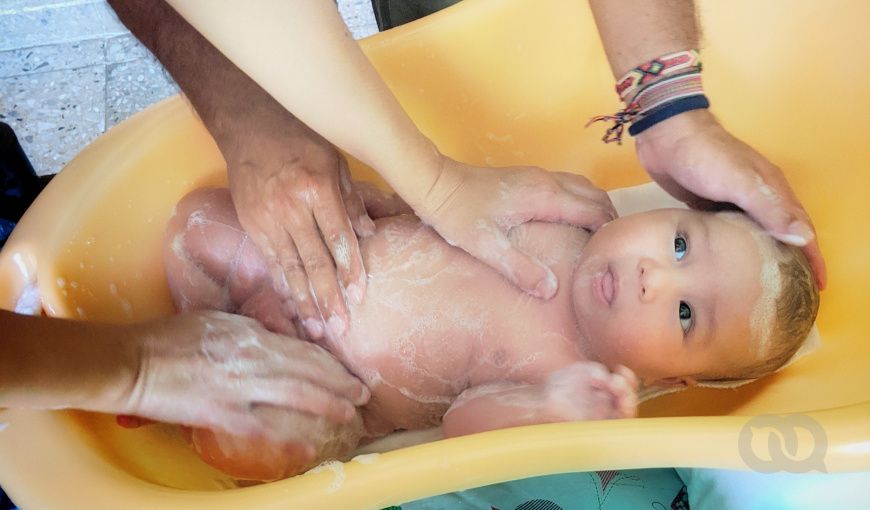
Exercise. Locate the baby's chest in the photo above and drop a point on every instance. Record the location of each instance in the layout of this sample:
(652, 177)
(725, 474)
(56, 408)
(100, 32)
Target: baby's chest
(414, 372)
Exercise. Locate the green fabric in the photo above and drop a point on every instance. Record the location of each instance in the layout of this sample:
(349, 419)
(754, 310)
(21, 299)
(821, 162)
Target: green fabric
(603, 490)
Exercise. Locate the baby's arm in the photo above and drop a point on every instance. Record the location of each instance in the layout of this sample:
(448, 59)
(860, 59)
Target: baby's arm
(582, 391)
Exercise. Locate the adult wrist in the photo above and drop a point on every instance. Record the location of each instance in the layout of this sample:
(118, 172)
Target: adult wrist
(677, 127)
(415, 169)
(656, 91)
(57, 363)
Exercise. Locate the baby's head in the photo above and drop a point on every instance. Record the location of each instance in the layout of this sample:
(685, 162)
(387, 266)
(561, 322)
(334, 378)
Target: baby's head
(683, 296)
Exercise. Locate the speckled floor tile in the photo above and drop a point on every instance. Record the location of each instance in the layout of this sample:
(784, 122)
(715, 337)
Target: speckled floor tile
(133, 86)
(11, 6)
(125, 48)
(54, 57)
(57, 22)
(69, 70)
(359, 17)
(55, 114)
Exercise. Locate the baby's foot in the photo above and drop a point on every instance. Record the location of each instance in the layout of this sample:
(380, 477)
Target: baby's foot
(588, 391)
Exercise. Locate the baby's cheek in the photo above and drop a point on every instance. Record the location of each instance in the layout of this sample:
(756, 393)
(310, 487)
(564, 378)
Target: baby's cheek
(617, 343)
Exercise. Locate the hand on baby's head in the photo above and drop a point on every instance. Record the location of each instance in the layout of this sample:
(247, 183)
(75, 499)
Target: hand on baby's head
(682, 296)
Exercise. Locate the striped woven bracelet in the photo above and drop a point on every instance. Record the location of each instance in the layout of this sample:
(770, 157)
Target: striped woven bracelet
(684, 90)
(666, 65)
(666, 86)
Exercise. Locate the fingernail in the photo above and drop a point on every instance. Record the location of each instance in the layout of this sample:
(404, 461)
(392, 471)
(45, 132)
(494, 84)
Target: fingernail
(366, 226)
(546, 288)
(314, 327)
(337, 325)
(799, 234)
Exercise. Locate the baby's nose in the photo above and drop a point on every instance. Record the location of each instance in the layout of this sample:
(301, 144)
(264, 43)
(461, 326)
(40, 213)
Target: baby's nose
(653, 280)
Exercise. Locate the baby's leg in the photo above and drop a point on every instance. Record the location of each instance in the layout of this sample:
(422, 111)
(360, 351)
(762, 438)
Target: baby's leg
(312, 441)
(211, 263)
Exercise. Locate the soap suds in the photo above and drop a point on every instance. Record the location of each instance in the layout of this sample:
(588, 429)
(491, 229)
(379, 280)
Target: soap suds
(337, 469)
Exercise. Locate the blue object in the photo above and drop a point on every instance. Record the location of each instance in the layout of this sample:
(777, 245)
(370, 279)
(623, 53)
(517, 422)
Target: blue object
(668, 110)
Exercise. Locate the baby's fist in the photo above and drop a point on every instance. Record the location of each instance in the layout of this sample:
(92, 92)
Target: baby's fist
(588, 391)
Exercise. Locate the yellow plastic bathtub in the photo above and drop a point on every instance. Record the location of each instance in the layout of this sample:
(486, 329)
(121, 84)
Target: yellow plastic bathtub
(493, 82)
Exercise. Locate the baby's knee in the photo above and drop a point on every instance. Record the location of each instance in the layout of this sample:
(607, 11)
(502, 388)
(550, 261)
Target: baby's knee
(205, 229)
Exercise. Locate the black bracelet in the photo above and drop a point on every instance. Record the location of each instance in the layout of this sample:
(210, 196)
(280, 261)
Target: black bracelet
(668, 110)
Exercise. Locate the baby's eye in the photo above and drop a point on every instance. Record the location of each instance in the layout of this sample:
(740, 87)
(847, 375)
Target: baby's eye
(685, 316)
(681, 246)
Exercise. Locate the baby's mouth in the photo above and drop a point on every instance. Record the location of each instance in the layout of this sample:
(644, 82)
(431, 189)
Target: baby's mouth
(606, 285)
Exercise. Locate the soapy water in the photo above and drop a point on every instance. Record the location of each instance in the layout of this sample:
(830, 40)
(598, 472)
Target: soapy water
(763, 316)
(342, 252)
(337, 469)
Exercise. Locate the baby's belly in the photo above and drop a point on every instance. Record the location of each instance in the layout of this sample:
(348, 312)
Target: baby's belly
(413, 337)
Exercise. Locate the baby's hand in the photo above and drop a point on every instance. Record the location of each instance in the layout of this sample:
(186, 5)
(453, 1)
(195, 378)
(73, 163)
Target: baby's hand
(588, 391)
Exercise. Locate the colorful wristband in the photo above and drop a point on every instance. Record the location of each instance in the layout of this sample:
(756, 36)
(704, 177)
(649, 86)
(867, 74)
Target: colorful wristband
(668, 110)
(664, 87)
(666, 65)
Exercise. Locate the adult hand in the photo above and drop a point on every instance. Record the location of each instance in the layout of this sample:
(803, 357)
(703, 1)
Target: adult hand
(226, 372)
(475, 208)
(295, 199)
(697, 161)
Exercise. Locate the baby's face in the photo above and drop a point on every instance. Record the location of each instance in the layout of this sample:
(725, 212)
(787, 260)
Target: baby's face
(669, 293)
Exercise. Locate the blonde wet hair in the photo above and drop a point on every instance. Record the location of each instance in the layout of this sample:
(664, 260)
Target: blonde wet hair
(787, 307)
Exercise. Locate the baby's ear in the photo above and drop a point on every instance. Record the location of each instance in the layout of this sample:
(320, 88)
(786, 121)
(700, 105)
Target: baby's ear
(676, 382)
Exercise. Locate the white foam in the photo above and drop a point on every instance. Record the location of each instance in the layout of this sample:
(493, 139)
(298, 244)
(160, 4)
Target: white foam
(29, 302)
(366, 458)
(342, 252)
(337, 469)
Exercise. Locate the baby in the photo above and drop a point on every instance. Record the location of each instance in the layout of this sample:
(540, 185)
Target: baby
(674, 295)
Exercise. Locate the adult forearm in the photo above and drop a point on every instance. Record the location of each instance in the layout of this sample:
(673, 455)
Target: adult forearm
(302, 54)
(634, 32)
(222, 95)
(51, 363)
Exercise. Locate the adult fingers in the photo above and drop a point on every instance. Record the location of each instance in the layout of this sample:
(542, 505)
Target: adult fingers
(569, 208)
(773, 208)
(583, 187)
(771, 203)
(814, 256)
(332, 220)
(305, 397)
(314, 364)
(524, 271)
(292, 282)
(353, 202)
(318, 263)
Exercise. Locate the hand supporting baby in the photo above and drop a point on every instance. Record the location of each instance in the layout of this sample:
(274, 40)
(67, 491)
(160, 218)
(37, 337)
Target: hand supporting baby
(226, 372)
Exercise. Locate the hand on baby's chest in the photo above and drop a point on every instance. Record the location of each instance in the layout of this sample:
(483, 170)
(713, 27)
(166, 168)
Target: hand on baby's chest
(435, 321)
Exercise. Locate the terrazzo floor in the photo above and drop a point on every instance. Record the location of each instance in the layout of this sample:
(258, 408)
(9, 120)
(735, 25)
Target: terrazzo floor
(69, 70)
